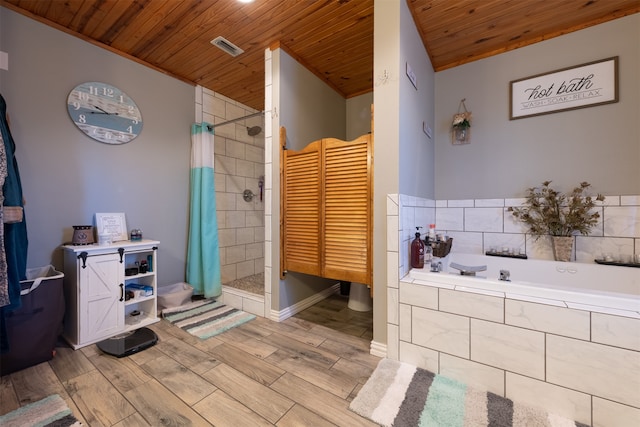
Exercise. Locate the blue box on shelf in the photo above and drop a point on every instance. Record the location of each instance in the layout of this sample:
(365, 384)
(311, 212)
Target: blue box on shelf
(146, 289)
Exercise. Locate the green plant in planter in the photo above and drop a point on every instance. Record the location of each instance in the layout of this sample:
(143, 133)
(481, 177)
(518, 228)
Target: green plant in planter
(550, 212)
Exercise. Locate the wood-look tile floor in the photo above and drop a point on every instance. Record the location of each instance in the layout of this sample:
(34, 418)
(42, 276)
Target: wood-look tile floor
(299, 372)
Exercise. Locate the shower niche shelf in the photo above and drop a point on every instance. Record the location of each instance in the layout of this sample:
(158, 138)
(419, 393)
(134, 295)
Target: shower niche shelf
(503, 255)
(619, 264)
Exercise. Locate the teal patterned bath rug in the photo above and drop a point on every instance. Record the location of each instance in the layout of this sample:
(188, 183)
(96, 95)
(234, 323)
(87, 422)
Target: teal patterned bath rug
(206, 318)
(51, 411)
(402, 395)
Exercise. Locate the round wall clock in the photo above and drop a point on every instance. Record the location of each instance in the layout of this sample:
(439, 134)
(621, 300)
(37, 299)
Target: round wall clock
(104, 113)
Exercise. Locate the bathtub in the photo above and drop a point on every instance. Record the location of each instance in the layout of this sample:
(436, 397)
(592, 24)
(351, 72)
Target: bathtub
(571, 284)
(563, 336)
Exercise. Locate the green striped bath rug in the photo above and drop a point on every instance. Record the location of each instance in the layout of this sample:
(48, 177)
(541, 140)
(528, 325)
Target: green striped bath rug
(402, 395)
(206, 318)
(51, 411)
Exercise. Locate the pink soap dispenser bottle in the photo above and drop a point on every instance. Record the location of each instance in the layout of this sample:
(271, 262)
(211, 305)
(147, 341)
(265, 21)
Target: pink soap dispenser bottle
(417, 251)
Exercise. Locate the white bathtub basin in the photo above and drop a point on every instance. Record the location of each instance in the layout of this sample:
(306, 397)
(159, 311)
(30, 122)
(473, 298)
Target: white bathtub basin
(574, 285)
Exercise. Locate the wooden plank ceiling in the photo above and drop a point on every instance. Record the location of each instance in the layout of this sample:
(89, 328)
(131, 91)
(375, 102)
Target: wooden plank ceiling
(332, 38)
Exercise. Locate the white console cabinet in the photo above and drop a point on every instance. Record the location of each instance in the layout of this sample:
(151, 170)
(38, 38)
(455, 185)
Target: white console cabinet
(98, 305)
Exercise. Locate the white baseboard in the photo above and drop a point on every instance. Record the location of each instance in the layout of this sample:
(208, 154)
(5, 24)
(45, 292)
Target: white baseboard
(279, 316)
(378, 349)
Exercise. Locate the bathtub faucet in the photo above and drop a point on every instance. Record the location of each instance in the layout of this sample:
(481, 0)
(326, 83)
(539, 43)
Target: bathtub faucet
(436, 267)
(505, 275)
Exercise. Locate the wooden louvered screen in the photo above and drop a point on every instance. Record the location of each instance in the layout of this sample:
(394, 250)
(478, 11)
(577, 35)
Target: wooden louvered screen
(347, 213)
(327, 209)
(302, 216)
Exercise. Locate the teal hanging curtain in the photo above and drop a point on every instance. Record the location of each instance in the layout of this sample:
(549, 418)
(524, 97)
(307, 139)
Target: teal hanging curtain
(203, 254)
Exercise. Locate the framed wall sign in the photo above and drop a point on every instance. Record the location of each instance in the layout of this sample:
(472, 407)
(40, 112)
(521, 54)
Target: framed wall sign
(585, 85)
(412, 76)
(113, 224)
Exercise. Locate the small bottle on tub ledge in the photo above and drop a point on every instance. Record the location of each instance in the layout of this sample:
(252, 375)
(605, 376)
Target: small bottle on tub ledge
(417, 251)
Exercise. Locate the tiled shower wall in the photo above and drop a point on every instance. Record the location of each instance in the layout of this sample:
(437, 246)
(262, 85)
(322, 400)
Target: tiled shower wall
(239, 165)
(478, 225)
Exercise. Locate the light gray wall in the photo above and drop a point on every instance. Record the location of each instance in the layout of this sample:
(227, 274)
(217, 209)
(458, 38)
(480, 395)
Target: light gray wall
(309, 108)
(599, 144)
(68, 177)
(359, 115)
(416, 107)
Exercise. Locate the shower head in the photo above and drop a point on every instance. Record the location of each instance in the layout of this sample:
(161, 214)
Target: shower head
(254, 130)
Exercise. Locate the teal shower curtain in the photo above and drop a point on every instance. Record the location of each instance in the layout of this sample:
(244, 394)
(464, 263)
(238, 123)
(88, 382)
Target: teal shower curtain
(203, 253)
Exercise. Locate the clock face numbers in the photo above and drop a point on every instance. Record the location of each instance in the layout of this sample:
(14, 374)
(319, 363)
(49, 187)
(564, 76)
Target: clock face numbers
(104, 113)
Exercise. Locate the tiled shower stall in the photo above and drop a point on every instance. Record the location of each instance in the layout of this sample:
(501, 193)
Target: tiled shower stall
(239, 166)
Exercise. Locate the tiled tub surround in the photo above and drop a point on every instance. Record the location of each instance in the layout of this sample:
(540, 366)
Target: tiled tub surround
(572, 359)
(478, 225)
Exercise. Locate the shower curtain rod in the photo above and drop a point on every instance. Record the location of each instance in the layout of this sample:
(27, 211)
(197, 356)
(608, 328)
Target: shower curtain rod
(259, 113)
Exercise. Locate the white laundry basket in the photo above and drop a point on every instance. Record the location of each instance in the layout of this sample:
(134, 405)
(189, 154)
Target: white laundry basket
(174, 295)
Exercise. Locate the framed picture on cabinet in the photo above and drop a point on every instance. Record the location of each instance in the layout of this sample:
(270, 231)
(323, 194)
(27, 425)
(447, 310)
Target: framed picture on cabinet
(114, 224)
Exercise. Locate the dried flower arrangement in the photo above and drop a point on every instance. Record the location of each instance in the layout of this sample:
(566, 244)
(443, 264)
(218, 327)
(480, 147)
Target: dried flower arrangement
(462, 120)
(549, 212)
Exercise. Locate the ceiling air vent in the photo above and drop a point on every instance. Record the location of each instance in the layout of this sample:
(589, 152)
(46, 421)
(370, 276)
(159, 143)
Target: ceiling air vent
(227, 46)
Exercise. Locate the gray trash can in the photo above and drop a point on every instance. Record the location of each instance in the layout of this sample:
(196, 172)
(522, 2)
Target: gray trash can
(33, 329)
